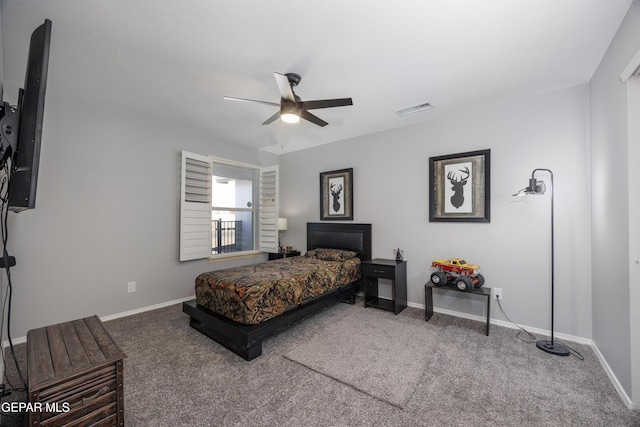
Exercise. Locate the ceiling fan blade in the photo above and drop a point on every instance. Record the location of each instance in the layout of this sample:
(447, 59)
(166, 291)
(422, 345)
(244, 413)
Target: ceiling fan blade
(313, 119)
(272, 119)
(326, 103)
(231, 98)
(284, 87)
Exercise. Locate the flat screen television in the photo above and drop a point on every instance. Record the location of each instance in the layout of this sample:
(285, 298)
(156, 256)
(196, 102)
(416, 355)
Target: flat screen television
(21, 129)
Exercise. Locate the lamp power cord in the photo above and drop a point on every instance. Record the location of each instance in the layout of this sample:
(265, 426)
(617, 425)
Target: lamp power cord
(531, 338)
(5, 184)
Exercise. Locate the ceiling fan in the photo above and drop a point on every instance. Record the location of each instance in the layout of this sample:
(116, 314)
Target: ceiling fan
(292, 108)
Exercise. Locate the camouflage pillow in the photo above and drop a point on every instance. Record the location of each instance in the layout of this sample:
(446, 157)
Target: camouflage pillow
(331, 254)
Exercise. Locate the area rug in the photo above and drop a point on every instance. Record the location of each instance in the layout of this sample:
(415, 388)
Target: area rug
(373, 351)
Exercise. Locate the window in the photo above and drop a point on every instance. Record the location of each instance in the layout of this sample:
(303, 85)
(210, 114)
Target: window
(219, 215)
(232, 208)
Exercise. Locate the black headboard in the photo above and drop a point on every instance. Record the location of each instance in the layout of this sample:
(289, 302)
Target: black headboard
(353, 237)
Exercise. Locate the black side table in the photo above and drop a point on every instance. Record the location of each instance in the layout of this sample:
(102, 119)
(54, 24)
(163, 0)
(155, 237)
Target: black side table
(280, 255)
(396, 271)
(428, 298)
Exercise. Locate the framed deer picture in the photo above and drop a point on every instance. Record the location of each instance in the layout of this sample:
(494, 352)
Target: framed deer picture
(459, 187)
(336, 195)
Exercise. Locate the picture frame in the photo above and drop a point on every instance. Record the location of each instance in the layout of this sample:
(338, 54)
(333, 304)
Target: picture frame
(336, 195)
(460, 187)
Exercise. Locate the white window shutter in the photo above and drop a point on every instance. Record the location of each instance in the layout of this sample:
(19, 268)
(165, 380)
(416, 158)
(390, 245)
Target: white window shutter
(195, 207)
(268, 209)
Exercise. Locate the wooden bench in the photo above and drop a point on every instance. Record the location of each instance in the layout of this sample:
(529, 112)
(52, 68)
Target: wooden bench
(74, 375)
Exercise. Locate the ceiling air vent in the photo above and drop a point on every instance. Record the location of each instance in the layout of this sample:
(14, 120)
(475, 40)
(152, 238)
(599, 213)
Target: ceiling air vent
(414, 109)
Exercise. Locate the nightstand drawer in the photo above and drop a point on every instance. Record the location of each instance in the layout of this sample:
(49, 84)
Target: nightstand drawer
(386, 272)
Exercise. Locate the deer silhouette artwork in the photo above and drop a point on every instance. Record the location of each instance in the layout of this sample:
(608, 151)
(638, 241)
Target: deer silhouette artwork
(335, 193)
(458, 186)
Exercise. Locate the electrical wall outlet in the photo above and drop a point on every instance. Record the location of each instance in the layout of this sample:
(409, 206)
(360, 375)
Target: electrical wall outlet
(497, 293)
(131, 287)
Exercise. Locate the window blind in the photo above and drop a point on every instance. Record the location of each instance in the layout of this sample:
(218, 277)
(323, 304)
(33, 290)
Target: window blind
(195, 207)
(268, 209)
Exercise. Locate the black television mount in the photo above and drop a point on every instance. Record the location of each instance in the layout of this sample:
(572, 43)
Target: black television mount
(9, 123)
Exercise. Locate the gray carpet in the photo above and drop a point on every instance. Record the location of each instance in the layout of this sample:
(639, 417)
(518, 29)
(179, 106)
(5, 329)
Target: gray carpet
(175, 376)
(373, 353)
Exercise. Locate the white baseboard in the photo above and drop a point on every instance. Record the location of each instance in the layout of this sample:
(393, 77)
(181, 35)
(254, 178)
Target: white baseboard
(22, 340)
(580, 340)
(148, 308)
(623, 395)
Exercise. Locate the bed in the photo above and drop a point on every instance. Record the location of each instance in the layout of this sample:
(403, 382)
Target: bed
(251, 303)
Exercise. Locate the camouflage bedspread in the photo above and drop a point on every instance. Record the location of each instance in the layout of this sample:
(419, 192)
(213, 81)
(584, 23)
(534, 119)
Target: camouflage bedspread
(255, 293)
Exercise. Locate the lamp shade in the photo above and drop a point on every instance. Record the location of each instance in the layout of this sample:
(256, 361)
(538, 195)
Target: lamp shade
(282, 224)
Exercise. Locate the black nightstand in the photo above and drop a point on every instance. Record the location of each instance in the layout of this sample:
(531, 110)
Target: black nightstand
(396, 271)
(281, 255)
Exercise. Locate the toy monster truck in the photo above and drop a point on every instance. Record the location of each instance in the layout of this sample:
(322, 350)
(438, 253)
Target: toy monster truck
(464, 276)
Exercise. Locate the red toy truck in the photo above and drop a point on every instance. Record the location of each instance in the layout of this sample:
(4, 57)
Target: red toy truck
(464, 276)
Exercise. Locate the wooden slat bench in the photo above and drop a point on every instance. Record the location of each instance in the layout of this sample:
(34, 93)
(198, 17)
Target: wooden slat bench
(74, 375)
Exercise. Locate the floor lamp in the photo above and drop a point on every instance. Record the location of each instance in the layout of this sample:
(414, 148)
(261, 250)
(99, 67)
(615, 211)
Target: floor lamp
(537, 188)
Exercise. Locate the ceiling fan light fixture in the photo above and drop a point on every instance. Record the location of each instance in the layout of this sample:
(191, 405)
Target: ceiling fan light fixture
(290, 118)
(289, 114)
(292, 108)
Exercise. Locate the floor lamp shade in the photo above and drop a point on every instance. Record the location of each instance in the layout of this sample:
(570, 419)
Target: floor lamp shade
(282, 226)
(538, 187)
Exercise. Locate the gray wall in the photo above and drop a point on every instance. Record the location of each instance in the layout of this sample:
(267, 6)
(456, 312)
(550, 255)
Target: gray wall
(634, 234)
(1, 52)
(107, 212)
(610, 210)
(391, 192)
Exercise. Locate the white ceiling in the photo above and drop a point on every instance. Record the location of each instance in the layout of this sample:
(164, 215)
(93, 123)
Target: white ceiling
(173, 61)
